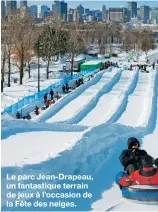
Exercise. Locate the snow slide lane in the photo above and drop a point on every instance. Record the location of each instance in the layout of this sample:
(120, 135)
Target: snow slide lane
(141, 100)
(61, 103)
(109, 104)
(77, 105)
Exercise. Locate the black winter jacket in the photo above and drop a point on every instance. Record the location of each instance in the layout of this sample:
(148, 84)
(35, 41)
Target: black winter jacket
(129, 157)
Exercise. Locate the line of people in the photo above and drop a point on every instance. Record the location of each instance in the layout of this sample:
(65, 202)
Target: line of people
(142, 67)
(66, 88)
(20, 116)
(108, 64)
(53, 95)
(50, 101)
(76, 84)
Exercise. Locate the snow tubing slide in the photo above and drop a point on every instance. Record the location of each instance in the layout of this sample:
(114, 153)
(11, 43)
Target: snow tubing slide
(146, 193)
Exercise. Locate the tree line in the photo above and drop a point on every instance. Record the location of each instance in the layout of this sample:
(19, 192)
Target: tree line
(22, 39)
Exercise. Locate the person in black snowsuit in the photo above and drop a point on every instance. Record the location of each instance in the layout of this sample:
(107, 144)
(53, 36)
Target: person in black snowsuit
(63, 88)
(153, 66)
(18, 115)
(45, 97)
(67, 87)
(51, 94)
(131, 158)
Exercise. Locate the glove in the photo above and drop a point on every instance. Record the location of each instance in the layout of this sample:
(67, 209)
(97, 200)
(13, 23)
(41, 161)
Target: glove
(120, 187)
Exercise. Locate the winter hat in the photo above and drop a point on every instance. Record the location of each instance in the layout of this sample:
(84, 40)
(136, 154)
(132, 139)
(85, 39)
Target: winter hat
(147, 161)
(132, 141)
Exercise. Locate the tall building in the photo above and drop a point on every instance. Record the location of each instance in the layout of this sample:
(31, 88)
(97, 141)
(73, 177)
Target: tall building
(59, 8)
(144, 13)
(23, 3)
(70, 15)
(77, 16)
(33, 11)
(132, 7)
(126, 15)
(89, 18)
(11, 6)
(56, 8)
(39, 13)
(116, 14)
(87, 11)
(45, 10)
(154, 15)
(104, 15)
(63, 10)
(80, 8)
(2, 9)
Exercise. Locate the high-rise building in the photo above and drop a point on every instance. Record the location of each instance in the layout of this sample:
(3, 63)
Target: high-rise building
(116, 14)
(80, 8)
(89, 18)
(59, 8)
(132, 7)
(39, 13)
(33, 11)
(11, 6)
(77, 16)
(63, 10)
(144, 13)
(154, 15)
(23, 3)
(45, 10)
(86, 11)
(104, 15)
(56, 8)
(70, 15)
(2, 9)
(126, 15)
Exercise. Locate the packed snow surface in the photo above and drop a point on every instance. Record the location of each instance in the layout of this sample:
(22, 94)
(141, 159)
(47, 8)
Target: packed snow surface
(85, 134)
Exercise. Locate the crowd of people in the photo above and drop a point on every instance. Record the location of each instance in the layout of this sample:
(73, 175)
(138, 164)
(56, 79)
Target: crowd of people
(51, 97)
(108, 64)
(143, 68)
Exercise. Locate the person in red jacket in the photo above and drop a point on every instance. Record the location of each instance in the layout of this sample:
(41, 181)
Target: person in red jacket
(147, 175)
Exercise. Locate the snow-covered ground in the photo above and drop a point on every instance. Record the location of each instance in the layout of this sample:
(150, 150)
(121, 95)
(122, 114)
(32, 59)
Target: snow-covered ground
(16, 92)
(85, 134)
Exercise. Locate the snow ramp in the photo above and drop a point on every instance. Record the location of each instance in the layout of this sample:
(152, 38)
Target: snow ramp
(78, 104)
(140, 103)
(109, 103)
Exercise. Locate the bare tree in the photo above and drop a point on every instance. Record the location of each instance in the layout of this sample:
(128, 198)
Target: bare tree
(3, 61)
(51, 42)
(24, 39)
(28, 58)
(126, 39)
(7, 46)
(76, 44)
(146, 42)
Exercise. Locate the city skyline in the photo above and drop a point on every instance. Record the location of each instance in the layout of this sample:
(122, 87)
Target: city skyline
(95, 4)
(81, 12)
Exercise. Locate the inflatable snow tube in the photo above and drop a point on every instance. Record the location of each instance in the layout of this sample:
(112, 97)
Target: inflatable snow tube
(119, 176)
(147, 193)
